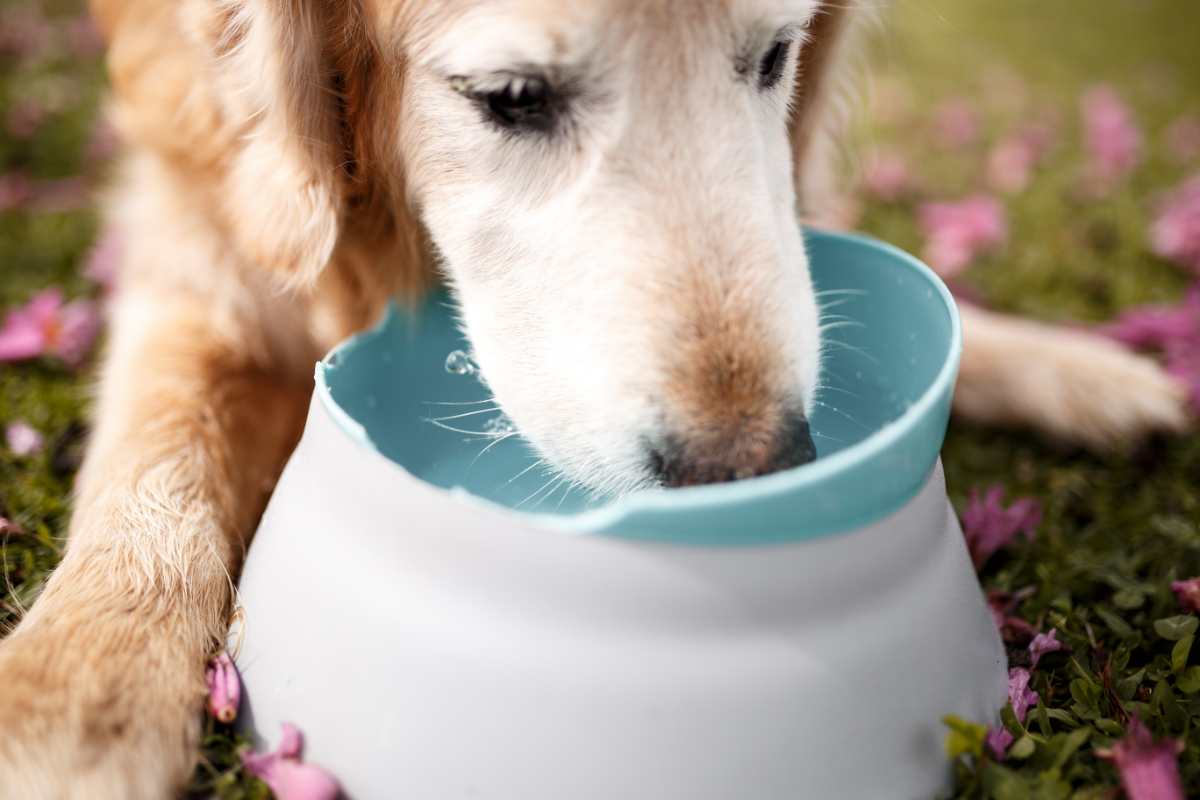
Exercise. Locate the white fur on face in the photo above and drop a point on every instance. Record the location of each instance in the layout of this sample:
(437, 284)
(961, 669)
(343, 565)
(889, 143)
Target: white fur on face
(589, 262)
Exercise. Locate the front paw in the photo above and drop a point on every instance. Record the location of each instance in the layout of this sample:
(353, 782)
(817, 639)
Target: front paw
(95, 710)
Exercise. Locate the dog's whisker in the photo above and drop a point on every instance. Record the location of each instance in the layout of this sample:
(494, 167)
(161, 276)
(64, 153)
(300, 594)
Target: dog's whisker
(461, 403)
(477, 412)
(850, 323)
(838, 411)
(525, 471)
(491, 444)
(851, 348)
(482, 434)
(858, 292)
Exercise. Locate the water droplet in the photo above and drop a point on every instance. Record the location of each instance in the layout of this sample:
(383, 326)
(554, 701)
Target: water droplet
(459, 363)
(499, 426)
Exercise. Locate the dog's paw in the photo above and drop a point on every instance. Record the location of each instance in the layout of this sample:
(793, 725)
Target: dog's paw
(1075, 386)
(1107, 396)
(94, 717)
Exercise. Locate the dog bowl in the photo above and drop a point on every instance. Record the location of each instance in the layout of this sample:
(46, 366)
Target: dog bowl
(442, 624)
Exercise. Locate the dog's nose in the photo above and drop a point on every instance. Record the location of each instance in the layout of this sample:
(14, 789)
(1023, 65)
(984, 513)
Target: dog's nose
(679, 461)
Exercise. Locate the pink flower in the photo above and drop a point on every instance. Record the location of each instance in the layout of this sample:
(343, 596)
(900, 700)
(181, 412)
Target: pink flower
(1188, 594)
(1182, 138)
(1042, 644)
(1021, 698)
(1012, 160)
(83, 37)
(1157, 325)
(1149, 770)
(45, 326)
(103, 259)
(1175, 234)
(886, 176)
(958, 232)
(61, 194)
(24, 118)
(955, 123)
(15, 190)
(283, 771)
(23, 439)
(24, 31)
(1175, 330)
(1111, 136)
(103, 142)
(989, 526)
(224, 688)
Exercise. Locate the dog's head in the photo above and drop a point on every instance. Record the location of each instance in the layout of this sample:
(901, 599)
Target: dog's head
(609, 188)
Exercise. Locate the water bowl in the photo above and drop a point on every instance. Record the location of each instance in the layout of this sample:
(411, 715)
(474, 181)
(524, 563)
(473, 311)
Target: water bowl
(445, 622)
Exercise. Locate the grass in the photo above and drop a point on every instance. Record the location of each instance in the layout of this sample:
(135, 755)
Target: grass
(1117, 528)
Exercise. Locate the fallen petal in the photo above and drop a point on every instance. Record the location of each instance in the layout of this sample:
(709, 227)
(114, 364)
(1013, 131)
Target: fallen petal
(1188, 594)
(1149, 770)
(224, 688)
(23, 439)
(1042, 644)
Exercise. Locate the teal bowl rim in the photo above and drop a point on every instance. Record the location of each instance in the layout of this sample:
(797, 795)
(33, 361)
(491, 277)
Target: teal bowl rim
(700, 498)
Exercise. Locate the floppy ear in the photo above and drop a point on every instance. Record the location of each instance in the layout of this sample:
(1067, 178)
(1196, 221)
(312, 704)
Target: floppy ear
(816, 117)
(282, 182)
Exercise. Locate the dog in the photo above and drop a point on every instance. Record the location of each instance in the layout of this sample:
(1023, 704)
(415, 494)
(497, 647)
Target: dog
(611, 188)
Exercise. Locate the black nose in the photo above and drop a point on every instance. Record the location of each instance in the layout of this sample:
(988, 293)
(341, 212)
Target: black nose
(689, 461)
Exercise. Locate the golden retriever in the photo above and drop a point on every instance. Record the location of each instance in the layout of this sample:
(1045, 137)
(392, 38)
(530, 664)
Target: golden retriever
(611, 188)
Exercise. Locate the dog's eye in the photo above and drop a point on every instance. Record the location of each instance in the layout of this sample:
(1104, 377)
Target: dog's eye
(524, 103)
(770, 69)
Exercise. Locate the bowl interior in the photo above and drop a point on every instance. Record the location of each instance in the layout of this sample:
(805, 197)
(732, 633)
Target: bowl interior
(889, 362)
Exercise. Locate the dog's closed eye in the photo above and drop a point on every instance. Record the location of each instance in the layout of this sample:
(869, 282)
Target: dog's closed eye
(770, 69)
(517, 103)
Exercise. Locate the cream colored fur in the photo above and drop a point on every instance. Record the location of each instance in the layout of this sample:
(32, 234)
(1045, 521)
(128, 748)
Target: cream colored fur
(292, 165)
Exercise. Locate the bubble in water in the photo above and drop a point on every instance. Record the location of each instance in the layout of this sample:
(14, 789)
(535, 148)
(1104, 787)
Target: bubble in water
(499, 426)
(459, 363)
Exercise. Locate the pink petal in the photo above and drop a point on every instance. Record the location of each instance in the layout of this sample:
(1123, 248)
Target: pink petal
(956, 233)
(1111, 137)
(23, 439)
(1042, 644)
(224, 688)
(886, 176)
(998, 740)
(1175, 232)
(1182, 138)
(15, 190)
(83, 37)
(27, 331)
(1021, 698)
(20, 341)
(63, 194)
(291, 742)
(103, 259)
(988, 526)
(292, 780)
(1149, 770)
(955, 123)
(1010, 166)
(1019, 694)
(283, 771)
(1188, 594)
(80, 324)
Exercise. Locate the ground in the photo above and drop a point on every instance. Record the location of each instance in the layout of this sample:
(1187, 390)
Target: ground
(1117, 529)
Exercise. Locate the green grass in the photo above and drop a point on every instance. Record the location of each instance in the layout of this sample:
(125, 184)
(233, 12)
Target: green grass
(1117, 528)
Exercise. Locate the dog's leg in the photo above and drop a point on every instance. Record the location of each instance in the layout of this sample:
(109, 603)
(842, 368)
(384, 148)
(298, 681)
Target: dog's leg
(1070, 384)
(102, 683)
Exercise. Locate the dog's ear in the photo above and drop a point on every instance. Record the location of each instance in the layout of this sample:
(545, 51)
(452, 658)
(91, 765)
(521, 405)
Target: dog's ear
(814, 106)
(282, 181)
